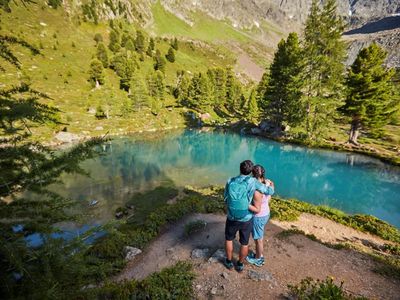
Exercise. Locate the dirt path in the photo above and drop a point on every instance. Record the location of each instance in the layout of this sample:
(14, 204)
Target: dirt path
(288, 260)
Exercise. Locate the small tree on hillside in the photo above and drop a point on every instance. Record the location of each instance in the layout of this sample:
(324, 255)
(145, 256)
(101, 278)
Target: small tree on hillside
(159, 62)
(130, 45)
(371, 98)
(150, 48)
(170, 56)
(253, 114)
(234, 101)
(139, 93)
(156, 85)
(199, 95)
(174, 44)
(96, 75)
(139, 42)
(102, 55)
(98, 38)
(115, 43)
(217, 78)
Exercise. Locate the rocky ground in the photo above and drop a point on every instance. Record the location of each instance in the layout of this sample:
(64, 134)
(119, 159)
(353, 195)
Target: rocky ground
(289, 259)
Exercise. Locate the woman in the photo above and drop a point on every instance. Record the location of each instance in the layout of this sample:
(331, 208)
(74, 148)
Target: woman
(260, 207)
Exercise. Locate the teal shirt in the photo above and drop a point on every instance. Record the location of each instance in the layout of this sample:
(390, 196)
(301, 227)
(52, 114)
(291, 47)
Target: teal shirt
(252, 185)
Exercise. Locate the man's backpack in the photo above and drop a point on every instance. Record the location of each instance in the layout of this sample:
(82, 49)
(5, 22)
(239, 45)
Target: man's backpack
(236, 197)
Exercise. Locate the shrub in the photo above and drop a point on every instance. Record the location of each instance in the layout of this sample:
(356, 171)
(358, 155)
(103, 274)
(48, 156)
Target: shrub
(194, 226)
(309, 289)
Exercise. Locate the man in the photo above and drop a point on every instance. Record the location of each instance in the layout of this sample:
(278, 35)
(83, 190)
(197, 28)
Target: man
(238, 195)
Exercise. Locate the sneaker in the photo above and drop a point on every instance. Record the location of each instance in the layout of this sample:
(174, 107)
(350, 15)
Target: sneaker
(251, 254)
(228, 264)
(239, 267)
(256, 261)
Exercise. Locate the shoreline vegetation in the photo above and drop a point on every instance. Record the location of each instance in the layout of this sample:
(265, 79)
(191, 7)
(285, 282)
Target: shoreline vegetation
(109, 250)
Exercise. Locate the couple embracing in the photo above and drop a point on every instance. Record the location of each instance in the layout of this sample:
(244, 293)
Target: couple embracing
(247, 197)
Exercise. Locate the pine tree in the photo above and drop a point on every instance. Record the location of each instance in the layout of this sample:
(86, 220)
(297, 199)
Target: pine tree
(156, 85)
(283, 94)
(170, 56)
(199, 93)
(124, 39)
(234, 101)
(159, 62)
(371, 97)
(253, 114)
(174, 44)
(324, 53)
(96, 75)
(150, 48)
(261, 90)
(138, 92)
(139, 42)
(115, 43)
(98, 38)
(102, 55)
(217, 78)
(130, 45)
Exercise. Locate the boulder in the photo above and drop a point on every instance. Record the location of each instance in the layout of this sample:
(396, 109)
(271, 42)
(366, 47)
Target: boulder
(131, 252)
(218, 256)
(255, 130)
(205, 116)
(261, 276)
(200, 253)
(91, 110)
(67, 137)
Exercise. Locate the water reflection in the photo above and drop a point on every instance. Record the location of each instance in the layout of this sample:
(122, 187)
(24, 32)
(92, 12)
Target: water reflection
(351, 182)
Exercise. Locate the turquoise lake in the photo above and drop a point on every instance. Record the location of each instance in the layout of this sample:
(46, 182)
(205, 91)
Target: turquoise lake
(350, 182)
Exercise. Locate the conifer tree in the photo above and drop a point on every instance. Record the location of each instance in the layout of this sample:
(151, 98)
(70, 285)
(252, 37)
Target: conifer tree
(129, 45)
(96, 75)
(371, 97)
(283, 94)
(150, 47)
(261, 90)
(159, 62)
(156, 85)
(98, 38)
(234, 101)
(139, 42)
(199, 95)
(170, 56)
(102, 55)
(124, 39)
(324, 53)
(115, 43)
(253, 114)
(139, 94)
(217, 78)
(174, 44)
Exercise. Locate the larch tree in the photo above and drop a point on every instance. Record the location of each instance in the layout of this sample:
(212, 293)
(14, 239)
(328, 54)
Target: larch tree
(324, 54)
(283, 94)
(96, 74)
(371, 97)
(102, 55)
(115, 41)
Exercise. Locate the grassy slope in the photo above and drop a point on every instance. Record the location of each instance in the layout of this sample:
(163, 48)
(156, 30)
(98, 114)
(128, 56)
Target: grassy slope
(61, 71)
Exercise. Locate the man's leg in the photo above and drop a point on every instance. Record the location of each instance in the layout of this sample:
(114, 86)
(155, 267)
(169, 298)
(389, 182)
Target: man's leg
(244, 250)
(229, 249)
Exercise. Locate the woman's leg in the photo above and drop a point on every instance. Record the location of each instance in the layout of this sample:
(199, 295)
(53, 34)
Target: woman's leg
(259, 248)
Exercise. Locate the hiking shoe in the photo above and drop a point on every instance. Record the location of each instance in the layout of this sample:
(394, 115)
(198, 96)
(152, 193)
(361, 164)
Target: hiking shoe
(228, 264)
(251, 254)
(239, 267)
(255, 261)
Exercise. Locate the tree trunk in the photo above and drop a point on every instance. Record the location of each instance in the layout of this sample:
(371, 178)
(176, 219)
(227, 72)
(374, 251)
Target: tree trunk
(354, 131)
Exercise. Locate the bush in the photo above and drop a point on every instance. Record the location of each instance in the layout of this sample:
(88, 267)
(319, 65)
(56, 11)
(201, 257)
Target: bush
(194, 226)
(310, 289)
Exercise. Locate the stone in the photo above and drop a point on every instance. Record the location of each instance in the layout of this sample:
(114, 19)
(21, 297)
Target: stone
(131, 252)
(225, 275)
(214, 291)
(261, 276)
(200, 253)
(99, 128)
(205, 116)
(91, 110)
(255, 130)
(198, 286)
(67, 137)
(218, 256)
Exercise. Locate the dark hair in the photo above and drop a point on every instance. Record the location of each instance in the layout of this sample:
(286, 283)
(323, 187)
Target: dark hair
(258, 172)
(246, 167)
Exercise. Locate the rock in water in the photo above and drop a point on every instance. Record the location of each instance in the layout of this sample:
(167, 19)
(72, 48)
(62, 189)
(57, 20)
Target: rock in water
(200, 253)
(131, 252)
(218, 256)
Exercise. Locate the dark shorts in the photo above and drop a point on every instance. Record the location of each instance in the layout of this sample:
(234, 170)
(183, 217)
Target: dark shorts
(244, 228)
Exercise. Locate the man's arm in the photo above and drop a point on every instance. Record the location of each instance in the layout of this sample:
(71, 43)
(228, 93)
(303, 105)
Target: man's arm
(262, 188)
(226, 190)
